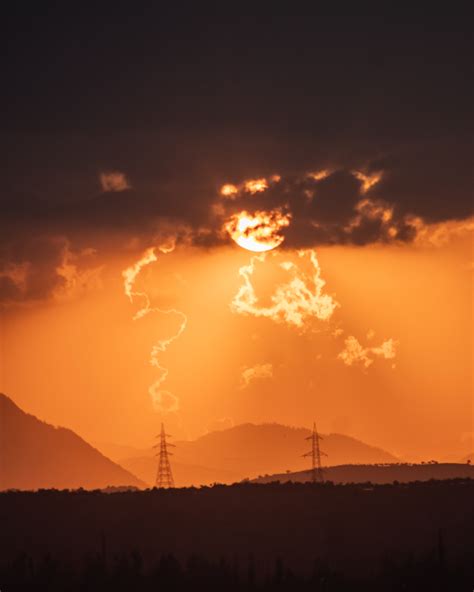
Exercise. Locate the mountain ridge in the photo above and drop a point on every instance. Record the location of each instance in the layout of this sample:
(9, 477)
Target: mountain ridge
(378, 474)
(35, 454)
(248, 450)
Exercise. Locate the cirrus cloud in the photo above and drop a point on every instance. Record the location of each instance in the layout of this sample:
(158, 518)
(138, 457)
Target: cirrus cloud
(354, 354)
(252, 373)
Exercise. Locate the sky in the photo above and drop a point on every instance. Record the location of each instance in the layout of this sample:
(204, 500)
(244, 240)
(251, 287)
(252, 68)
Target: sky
(208, 220)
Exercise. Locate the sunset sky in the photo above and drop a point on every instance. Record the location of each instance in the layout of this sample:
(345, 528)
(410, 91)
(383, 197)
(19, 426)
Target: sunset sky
(211, 221)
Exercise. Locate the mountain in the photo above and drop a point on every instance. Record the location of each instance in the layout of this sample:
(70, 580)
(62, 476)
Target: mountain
(184, 474)
(249, 450)
(401, 472)
(117, 451)
(34, 455)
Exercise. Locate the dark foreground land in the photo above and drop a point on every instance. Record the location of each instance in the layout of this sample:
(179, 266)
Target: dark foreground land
(417, 536)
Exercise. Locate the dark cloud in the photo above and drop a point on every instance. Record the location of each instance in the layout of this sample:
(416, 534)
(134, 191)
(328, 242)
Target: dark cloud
(29, 268)
(180, 103)
(333, 198)
(432, 179)
(35, 268)
(335, 209)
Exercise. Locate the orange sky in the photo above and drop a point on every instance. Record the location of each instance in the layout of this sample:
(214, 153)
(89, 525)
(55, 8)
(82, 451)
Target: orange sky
(83, 362)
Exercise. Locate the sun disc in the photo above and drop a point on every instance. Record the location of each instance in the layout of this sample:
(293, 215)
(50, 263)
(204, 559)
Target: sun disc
(258, 232)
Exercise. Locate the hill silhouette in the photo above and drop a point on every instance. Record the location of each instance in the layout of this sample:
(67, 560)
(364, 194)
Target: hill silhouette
(379, 474)
(249, 450)
(35, 454)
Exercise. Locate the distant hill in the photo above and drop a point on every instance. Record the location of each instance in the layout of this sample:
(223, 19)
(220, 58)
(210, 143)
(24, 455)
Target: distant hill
(34, 455)
(403, 473)
(249, 450)
(184, 474)
(117, 451)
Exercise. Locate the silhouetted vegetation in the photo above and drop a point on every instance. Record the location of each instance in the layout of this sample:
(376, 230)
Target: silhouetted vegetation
(126, 572)
(327, 537)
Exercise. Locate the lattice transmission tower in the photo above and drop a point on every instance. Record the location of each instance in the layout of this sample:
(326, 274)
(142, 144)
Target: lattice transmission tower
(317, 474)
(164, 475)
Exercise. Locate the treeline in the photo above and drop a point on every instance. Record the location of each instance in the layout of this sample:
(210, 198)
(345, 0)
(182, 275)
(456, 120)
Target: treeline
(252, 486)
(353, 531)
(127, 573)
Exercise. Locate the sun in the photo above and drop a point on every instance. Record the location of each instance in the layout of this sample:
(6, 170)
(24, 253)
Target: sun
(258, 232)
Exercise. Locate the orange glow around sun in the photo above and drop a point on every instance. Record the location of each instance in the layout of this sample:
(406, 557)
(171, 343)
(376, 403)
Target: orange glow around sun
(258, 232)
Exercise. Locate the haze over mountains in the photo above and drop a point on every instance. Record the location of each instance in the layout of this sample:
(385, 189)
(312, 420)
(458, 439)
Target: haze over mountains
(35, 454)
(248, 450)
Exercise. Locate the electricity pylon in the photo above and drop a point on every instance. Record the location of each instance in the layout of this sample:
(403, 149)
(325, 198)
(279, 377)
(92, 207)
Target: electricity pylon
(315, 453)
(164, 476)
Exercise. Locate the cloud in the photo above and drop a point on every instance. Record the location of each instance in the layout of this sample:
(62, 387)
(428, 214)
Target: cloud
(427, 180)
(354, 354)
(164, 402)
(298, 299)
(367, 180)
(249, 187)
(373, 200)
(325, 207)
(255, 372)
(45, 267)
(395, 198)
(113, 181)
(402, 143)
(77, 278)
(441, 233)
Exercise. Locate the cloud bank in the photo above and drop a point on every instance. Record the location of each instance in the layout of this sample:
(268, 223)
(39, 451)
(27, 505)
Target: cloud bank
(390, 200)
